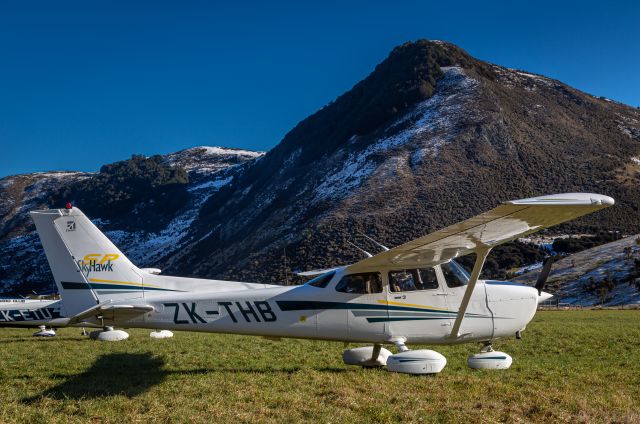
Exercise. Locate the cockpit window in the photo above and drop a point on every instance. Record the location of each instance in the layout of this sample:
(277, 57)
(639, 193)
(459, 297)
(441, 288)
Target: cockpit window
(369, 282)
(403, 280)
(321, 281)
(462, 270)
(413, 279)
(454, 274)
(428, 278)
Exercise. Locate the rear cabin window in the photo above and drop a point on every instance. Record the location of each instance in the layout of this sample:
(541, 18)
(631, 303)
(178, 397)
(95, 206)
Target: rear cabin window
(413, 279)
(321, 281)
(454, 275)
(360, 283)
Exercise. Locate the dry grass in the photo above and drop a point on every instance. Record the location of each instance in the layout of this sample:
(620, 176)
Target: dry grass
(578, 366)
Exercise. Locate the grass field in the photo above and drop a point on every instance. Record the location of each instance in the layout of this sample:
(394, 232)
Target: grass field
(579, 366)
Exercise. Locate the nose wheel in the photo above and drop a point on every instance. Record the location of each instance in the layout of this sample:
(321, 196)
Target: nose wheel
(489, 359)
(420, 361)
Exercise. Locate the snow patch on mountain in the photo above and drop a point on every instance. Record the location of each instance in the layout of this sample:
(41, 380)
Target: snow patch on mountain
(601, 275)
(204, 160)
(629, 126)
(515, 78)
(147, 248)
(577, 291)
(32, 189)
(209, 170)
(430, 125)
(229, 151)
(213, 184)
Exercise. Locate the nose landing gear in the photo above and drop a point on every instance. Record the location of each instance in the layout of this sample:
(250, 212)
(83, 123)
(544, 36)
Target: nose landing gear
(489, 359)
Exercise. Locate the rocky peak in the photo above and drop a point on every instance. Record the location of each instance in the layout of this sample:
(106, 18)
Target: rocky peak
(202, 160)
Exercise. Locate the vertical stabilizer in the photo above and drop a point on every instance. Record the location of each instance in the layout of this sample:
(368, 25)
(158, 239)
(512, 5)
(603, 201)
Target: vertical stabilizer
(87, 267)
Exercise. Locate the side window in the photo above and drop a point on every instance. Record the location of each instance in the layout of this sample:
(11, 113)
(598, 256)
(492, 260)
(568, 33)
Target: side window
(454, 275)
(428, 278)
(400, 281)
(413, 279)
(360, 283)
(322, 280)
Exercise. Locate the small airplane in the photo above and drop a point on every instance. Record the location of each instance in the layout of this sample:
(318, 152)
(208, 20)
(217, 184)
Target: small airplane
(36, 313)
(413, 293)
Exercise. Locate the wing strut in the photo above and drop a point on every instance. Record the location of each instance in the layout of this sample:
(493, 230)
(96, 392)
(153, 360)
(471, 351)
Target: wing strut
(477, 268)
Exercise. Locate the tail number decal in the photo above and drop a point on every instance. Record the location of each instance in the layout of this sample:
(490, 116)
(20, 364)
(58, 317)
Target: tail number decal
(20, 315)
(256, 311)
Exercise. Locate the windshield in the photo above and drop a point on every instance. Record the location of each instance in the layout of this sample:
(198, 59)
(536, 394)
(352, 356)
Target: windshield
(321, 281)
(454, 274)
(460, 269)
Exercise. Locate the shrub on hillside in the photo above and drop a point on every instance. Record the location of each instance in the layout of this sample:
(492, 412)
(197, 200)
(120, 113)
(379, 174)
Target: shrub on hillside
(138, 186)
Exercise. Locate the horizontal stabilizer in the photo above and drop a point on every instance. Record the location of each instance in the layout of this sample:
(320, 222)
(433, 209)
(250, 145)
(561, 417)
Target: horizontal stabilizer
(111, 312)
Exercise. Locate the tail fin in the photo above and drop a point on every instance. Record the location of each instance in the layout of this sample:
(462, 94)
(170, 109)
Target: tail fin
(87, 267)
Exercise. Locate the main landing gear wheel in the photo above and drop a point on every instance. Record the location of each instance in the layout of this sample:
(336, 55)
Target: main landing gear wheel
(489, 359)
(161, 334)
(43, 332)
(367, 356)
(109, 335)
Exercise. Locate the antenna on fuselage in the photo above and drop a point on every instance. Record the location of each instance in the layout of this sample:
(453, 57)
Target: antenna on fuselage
(367, 254)
(385, 248)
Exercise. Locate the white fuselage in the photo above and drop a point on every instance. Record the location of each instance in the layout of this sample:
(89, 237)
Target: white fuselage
(496, 309)
(28, 312)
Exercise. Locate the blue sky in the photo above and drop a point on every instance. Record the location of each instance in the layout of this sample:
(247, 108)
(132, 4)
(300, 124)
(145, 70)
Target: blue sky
(91, 82)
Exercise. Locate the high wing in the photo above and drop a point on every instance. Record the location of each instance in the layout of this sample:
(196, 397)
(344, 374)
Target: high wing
(510, 220)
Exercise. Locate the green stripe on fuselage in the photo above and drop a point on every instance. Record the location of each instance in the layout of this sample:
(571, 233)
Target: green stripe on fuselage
(303, 305)
(117, 288)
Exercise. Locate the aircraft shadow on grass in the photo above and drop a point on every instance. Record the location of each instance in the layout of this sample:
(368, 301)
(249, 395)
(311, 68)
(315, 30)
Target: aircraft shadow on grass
(132, 374)
(125, 374)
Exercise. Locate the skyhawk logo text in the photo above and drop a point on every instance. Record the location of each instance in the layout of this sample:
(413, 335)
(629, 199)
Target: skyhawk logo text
(96, 262)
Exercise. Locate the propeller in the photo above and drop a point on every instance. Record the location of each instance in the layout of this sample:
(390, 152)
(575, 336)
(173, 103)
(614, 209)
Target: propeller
(544, 274)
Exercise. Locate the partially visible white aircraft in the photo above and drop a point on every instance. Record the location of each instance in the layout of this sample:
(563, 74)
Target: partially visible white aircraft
(413, 293)
(30, 313)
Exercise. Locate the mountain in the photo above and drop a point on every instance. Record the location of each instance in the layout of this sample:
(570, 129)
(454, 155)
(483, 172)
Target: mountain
(140, 225)
(432, 136)
(608, 275)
